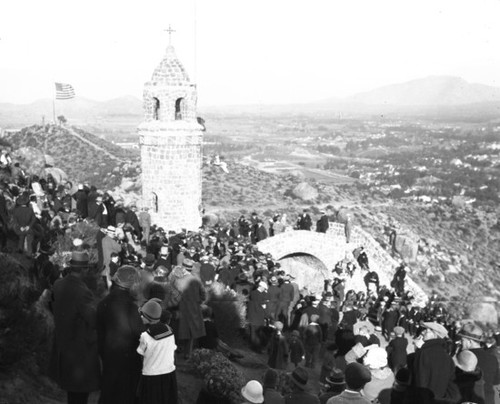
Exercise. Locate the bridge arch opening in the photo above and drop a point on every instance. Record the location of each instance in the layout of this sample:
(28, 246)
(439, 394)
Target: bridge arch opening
(309, 271)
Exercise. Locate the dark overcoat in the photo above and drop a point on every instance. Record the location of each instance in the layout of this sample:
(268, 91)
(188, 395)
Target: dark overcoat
(396, 353)
(257, 313)
(119, 327)
(74, 362)
(433, 369)
(278, 352)
(193, 294)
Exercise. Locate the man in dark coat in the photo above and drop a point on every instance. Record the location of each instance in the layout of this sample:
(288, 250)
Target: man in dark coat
(322, 224)
(81, 199)
(398, 282)
(191, 325)
(132, 219)
(396, 350)
(74, 363)
(287, 294)
(313, 337)
(24, 219)
(298, 384)
(257, 305)
(389, 320)
(97, 212)
(119, 327)
(260, 232)
(304, 221)
(432, 367)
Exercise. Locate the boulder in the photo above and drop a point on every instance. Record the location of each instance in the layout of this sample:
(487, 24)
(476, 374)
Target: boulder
(484, 312)
(305, 192)
(407, 246)
(32, 159)
(210, 219)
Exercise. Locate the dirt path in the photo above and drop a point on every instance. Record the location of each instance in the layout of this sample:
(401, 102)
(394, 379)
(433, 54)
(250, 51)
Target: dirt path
(102, 150)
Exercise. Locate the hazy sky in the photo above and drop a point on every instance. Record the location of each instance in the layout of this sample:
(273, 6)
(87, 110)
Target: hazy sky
(259, 51)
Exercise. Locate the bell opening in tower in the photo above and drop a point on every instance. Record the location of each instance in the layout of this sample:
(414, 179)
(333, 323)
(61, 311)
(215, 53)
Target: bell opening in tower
(156, 108)
(179, 104)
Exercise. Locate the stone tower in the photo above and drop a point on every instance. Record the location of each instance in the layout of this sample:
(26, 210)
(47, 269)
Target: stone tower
(171, 147)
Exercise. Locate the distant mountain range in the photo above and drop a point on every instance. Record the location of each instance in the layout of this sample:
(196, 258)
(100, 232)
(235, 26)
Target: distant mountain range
(431, 96)
(429, 91)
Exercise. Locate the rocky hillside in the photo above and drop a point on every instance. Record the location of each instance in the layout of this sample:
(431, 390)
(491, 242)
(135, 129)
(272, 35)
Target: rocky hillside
(456, 248)
(81, 155)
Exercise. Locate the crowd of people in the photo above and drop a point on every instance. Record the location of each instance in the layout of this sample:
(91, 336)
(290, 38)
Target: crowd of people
(372, 345)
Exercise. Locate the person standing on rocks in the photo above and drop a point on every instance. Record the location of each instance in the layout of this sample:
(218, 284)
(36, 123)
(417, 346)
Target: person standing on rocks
(74, 362)
(304, 222)
(322, 224)
(80, 196)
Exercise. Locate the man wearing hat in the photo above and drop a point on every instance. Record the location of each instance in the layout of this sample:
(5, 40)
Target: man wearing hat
(271, 393)
(335, 384)
(273, 293)
(304, 222)
(286, 297)
(298, 383)
(119, 327)
(108, 244)
(191, 325)
(74, 363)
(24, 218)
(472, 336)
(356, 377)
(397, 350)
(432, 367)
(257, 305)
(322, 224)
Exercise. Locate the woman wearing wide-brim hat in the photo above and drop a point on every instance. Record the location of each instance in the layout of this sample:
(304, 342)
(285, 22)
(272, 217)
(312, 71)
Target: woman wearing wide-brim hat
(74, 361)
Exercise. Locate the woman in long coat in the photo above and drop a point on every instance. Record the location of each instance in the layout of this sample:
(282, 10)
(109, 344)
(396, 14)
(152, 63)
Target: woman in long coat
(74, 362)
(191, 325)
(119, 326)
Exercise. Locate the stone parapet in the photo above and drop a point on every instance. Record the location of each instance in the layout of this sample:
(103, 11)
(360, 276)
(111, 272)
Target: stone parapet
(330, 248)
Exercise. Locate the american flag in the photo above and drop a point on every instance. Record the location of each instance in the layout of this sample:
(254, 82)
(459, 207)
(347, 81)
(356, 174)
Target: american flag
(64, 91)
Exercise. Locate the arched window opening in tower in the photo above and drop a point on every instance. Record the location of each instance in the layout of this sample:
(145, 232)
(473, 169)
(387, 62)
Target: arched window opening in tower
(179, 104)
(156, 108)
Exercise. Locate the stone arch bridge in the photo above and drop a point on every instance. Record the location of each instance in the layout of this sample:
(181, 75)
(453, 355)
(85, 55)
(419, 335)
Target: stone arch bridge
(329, 248)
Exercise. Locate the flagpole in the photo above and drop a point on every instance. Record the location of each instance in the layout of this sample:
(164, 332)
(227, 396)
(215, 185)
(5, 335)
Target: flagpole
(54, 108)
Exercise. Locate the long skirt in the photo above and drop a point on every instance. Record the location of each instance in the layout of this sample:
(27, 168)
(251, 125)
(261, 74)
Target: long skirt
(160, 389)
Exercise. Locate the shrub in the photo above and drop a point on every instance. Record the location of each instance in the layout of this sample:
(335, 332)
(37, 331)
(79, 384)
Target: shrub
(229, 311)
(220, 376)
(17, 294)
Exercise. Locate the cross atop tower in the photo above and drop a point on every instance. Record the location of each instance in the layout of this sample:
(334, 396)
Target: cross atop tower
(170, 31)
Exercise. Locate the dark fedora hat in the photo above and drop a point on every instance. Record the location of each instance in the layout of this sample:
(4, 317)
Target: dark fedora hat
(299, 377)
(79, 259)
(22, 200)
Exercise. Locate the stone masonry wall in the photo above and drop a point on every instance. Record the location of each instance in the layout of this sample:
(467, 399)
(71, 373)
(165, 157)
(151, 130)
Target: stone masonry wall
(331, 248)
(171, 159)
